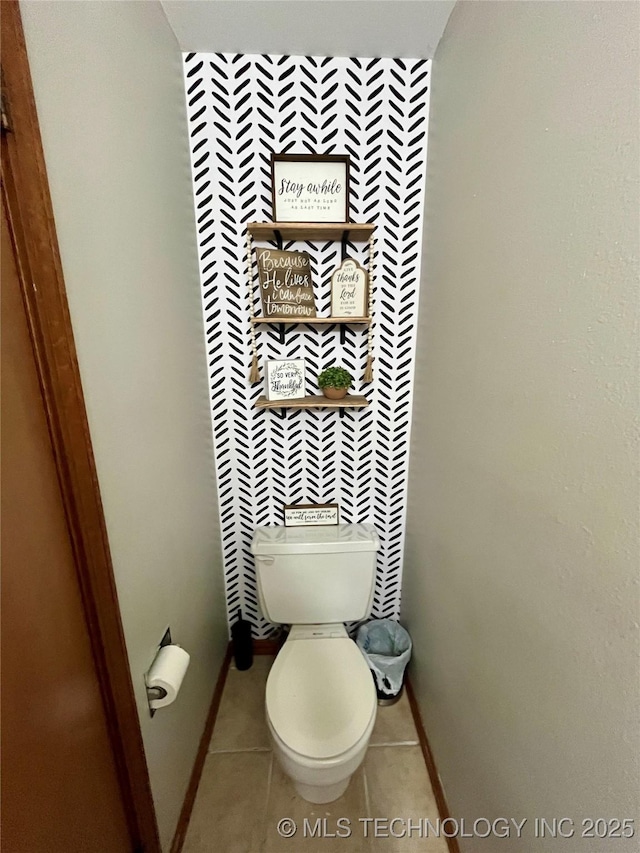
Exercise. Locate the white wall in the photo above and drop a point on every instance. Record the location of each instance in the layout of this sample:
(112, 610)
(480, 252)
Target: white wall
(108, 85)
(521, 566)
(310, 27)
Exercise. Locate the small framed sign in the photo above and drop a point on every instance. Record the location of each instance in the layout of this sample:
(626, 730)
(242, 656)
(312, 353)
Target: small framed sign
(286, 290)
(349, 290)
(284, 379)
(310, 187)
(311, 515)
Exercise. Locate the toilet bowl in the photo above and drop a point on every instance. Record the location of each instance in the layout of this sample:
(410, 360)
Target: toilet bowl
(321, 708)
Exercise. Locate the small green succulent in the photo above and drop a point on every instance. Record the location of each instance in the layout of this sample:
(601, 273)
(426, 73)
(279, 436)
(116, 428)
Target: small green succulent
(335, 377)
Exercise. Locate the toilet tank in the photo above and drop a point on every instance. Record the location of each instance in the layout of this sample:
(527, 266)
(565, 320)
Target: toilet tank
(312, 575)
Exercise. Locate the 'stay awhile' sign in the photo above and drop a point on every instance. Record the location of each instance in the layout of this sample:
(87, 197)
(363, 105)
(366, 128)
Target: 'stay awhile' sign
(310, 187)
(285, 284)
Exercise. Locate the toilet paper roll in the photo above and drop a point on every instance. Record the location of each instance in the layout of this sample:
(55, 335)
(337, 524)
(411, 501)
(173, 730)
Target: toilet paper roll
(167, 671)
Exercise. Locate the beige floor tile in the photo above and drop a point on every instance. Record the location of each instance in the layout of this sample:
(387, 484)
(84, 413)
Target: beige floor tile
(394, 723)
(284, 802)
(241, 722)
(399, 787)
(229, 811)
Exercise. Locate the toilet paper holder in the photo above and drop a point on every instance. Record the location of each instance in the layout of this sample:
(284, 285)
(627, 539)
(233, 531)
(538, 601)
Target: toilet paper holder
(155, 693)
(164, 677)
(158, 692)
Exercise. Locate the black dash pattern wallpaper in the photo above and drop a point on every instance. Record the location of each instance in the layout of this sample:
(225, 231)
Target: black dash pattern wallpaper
(240, 109)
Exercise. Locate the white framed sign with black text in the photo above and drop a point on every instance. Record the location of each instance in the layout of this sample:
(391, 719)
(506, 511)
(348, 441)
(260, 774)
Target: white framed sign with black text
(284, 379)
(310, 187)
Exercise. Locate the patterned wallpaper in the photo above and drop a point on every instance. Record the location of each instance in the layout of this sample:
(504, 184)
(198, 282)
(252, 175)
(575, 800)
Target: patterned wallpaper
(241, 108)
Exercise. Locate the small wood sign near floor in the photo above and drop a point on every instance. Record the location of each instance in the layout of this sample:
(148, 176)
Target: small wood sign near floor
(311, 515)
(285, 284)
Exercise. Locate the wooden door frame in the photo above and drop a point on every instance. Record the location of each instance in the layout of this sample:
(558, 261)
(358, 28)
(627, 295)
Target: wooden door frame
(25, 192)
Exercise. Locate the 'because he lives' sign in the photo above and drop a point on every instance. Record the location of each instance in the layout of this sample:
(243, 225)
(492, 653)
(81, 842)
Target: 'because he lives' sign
(285, 284)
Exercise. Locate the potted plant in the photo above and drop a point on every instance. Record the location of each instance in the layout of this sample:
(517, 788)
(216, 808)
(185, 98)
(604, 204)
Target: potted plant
(335, 381)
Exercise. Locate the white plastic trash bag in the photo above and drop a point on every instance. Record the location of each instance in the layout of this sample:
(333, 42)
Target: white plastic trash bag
(386, 647)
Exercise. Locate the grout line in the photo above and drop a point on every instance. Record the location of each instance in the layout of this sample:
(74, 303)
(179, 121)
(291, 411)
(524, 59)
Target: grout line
(265, 813)
(396, 743)
(269, 779)
(367, 801)
(231, 751)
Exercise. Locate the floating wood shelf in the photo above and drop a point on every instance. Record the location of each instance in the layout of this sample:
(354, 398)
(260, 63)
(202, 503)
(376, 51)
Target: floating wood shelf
(343, 322)
(348, 402)
(345, 232)
(357, 232)
(313, 321)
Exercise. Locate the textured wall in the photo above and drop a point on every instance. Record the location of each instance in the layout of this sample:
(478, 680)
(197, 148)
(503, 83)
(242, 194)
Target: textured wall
(357, 28)
(240, 109)
(521, 566)
(108, 87)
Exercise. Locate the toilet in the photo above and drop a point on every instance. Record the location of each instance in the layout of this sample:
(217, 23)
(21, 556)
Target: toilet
(320, 699)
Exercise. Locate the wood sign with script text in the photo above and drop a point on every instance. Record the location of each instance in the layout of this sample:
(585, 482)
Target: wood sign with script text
(349, 290)
(311, 515)
(285, 284)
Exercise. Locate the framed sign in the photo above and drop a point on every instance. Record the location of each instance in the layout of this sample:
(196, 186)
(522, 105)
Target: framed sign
(285, 379)
(349, 290)
(310, 187)
(311, 515)
(285, 284)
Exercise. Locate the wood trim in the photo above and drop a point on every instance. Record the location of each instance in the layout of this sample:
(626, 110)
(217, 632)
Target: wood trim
(351, 401)
(196, 773)
(313, 321)
(31, 221)
(355, 232)
(432, 770)
(270, 646)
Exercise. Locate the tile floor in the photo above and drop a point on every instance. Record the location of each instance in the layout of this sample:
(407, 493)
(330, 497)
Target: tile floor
(243, 793)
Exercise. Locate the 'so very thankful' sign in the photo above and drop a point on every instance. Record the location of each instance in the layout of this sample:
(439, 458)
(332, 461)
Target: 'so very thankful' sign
(285, 379)
(285, 284)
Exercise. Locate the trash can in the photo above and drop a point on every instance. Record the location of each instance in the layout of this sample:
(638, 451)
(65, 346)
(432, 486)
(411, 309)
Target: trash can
(386, 646)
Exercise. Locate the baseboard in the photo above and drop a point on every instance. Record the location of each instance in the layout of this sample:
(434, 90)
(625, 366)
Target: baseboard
(436, 784)
(271, 646)
(196, 773)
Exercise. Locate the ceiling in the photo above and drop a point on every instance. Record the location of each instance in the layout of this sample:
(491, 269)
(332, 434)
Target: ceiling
(366, 28)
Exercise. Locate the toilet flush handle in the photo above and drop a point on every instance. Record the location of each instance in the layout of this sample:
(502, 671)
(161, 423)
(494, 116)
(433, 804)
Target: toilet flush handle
(266, 560)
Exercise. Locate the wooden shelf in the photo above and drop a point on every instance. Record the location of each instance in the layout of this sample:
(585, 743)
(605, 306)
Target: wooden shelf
(313, 321)
(356, 232)
(326, 231)
(342, 322)
(348, 402)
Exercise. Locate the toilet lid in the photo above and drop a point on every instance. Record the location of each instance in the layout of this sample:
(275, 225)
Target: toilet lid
(320, 696)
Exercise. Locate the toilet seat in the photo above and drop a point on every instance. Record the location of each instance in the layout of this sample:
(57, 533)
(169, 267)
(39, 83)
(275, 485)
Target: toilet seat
(320, 696)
